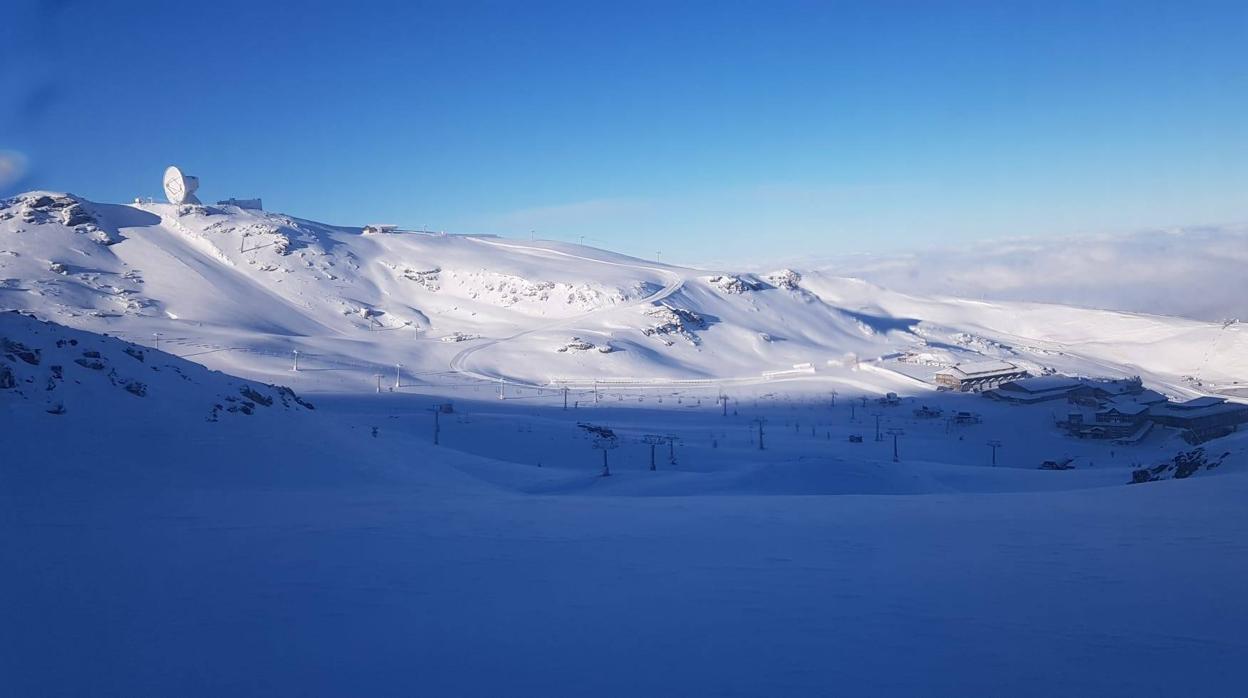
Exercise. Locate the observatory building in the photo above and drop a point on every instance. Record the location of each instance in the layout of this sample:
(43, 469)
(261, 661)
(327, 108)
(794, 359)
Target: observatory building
(180, 188)
(250, 204)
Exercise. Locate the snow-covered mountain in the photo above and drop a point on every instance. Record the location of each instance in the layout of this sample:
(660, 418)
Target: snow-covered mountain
(241, 290)
(177, 530)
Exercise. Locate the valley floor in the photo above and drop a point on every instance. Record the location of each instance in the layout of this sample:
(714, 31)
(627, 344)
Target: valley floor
(317, 559)
(172, 524)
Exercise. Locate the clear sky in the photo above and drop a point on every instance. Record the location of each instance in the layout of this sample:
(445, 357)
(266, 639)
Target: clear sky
(711, 131)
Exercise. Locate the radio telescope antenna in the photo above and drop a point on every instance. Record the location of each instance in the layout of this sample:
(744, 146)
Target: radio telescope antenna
(180, 188)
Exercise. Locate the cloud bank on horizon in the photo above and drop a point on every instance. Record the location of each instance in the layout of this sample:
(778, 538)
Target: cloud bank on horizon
(1195, 272)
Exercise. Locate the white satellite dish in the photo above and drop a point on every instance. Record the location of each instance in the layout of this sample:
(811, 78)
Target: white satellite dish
(180, 188)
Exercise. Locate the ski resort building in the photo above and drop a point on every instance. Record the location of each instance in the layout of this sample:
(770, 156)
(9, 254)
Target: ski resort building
(1203, 418)
(1036, 389)
(1124, 420)
(978, 375)
(1128, 417)
(1089, 392)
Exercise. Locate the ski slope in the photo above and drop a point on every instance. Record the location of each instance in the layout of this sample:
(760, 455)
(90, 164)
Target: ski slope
(329, 551)
(176, 524)
(254, 285)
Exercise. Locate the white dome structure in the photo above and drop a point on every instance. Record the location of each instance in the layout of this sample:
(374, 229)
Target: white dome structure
(180, 188)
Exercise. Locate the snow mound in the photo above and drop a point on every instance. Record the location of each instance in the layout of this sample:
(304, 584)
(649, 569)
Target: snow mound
(50, 368)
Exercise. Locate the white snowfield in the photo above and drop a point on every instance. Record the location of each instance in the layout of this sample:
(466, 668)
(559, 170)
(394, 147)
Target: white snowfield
(249, 284)
(769, 526)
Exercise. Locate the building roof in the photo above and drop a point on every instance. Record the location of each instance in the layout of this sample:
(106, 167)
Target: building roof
(1117, 386)
(1149, 396)
(979, 369)
(1043, 384)
(1133, 401)
(1197, 403)
(1021, 397)
(1205, 409)
(1125, 407)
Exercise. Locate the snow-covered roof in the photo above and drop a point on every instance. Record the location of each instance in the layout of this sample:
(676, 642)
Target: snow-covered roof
(1041, 384)
(1126, 407)
(979, 368)
(1197, 403)
(1203, 407)
(1116, 386)
(1149, 397)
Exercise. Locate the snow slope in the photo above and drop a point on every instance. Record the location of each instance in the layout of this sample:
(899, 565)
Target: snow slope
(242, 290)
(153, 550)
(172, 530)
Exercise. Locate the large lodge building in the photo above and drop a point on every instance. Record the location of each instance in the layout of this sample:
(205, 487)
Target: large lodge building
(1124, 409)
(1121, 409)
(978, 376)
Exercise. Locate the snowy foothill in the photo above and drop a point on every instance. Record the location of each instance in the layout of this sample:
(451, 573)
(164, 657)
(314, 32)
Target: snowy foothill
(246, 453)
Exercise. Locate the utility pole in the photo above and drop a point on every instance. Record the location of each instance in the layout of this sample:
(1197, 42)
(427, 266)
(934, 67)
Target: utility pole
(834, 394)
(896, 433)
(760, 422)
(877, 429)
(595, 392)
(437, 426)
(565, 398)
(157, 336)
(995, 445)
(378, 376)
(724, 399)
(671, 449)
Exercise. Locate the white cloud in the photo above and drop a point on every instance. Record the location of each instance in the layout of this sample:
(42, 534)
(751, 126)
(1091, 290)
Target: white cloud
(1192, 272)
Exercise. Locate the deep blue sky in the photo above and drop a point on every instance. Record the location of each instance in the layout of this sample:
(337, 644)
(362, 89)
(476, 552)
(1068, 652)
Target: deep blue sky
(720, 130)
